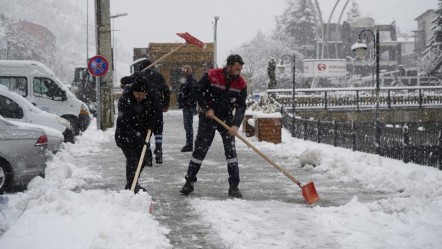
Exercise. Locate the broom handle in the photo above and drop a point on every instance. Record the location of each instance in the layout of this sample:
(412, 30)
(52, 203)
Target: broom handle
(163, 57)
(140, 162)
(280, 168)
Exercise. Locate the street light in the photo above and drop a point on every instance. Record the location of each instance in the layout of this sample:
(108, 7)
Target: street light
(215, 42)
(361, 49)
(113, 44)
(281, 69)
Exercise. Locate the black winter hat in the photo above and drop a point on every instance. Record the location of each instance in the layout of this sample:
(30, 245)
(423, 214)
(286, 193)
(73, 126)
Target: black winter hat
(144, 63)
(141, 85)
(231, 59)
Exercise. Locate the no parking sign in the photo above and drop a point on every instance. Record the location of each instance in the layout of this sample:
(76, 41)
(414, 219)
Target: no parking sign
(98, 65)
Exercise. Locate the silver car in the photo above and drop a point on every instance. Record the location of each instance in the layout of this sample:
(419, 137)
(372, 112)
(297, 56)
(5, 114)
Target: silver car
(23, 154)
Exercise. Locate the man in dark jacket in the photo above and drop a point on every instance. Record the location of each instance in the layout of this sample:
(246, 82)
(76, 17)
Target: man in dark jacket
(162, 91)
(219, 92)
(138, 111)
(186, 101)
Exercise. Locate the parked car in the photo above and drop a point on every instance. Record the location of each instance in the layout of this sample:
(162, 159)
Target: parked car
(55, 137)
(38, 84)
(14, 107)
(23, 154)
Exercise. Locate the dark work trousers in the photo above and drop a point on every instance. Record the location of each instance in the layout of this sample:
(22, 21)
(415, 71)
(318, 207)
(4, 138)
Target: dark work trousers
(188, 113)
(132, 158)
(204, 138)
(158, 134)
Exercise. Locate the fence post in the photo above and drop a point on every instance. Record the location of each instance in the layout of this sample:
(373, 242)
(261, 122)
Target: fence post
(319, 130)
(357, 100)
(325, 100)
(353, 135)
(420, 98)
(406, 143)
(389, 99)
(439, 163)
(335, 134)
(305, 128)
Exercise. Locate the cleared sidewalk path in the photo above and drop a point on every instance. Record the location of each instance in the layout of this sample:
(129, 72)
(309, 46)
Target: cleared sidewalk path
(260, 181)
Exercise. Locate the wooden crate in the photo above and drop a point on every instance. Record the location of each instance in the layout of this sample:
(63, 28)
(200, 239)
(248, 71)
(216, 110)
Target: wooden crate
(268, 129)
(246, 127)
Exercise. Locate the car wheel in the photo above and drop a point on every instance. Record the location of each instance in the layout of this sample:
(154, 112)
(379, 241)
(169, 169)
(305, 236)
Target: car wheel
(5, 177)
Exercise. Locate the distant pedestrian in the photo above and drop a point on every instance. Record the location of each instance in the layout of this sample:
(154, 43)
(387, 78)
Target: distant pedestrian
(219, 92)
(138, 111)
(161, 89)
(187, 102)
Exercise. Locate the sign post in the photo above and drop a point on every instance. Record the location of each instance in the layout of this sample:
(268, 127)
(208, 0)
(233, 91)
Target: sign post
(98, 66)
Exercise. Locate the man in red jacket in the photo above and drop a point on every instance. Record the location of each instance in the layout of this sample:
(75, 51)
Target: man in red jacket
(219, 92)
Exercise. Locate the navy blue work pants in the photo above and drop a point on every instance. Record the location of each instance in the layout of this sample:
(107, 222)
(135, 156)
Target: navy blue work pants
(204, 138)
(188, 113)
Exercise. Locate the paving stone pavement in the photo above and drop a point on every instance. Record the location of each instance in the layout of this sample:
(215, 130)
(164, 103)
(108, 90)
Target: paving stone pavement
(260, 181)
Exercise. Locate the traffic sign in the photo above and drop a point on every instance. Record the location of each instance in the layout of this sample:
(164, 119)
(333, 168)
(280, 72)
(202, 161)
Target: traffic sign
(98, 65)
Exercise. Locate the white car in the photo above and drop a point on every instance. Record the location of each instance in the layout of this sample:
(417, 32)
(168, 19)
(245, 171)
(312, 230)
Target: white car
(55, 137)
(13, 107)
(22, 154)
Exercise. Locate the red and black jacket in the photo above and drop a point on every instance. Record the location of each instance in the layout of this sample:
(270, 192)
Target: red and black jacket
(216, 91)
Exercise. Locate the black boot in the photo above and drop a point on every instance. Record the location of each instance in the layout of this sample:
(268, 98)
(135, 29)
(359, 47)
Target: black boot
(147, 158)
(234, 191)
(187, 188)
(148, 161)
(158, 155)
(187, 148)
(138, 188)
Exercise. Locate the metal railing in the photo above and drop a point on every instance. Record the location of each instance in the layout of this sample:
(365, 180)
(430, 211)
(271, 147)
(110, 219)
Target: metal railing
(359, 98)
(406, 142)
(420, 143)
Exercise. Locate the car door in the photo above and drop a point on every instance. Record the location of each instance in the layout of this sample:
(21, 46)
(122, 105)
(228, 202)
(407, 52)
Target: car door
(10, 109)
(47, 94)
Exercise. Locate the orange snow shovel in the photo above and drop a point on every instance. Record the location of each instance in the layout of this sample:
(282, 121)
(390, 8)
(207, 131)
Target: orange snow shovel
(308, 190)
(189, 40)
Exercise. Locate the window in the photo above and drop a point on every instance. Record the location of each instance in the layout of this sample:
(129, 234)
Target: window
(15, 84)
(47, 88)
(10, 109)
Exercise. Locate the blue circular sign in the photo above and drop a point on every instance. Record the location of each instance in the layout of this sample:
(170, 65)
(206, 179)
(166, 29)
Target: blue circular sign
(98, 65)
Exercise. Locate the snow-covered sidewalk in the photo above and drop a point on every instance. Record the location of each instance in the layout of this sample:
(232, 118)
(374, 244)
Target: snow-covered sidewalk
(59, 211)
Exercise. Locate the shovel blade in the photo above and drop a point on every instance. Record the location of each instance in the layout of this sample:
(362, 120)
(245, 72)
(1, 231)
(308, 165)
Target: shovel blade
(309, 193)
(192, 40)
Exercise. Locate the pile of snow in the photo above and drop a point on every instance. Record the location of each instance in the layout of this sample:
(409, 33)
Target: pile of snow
(55, 213)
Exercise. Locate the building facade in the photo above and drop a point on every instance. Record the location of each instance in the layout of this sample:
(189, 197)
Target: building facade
(199, 59)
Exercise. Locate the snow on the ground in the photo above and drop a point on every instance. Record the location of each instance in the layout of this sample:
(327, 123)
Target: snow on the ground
(53, 214)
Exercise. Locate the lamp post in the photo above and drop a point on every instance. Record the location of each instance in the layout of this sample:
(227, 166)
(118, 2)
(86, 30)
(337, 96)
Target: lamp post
(113, 44)
(361, 49)
(281, 68)
(215, 56)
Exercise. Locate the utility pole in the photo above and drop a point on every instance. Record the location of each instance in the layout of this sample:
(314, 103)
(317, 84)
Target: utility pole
(215, 64)
(105, 85)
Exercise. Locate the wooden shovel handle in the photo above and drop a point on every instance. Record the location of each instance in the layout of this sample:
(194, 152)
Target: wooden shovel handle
(140, 162)
(280, 168)
(163, 57)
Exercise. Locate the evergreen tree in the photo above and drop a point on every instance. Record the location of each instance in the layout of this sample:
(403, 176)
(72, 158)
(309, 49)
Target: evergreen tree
(433, 52)
(297, 23)
(256, 54)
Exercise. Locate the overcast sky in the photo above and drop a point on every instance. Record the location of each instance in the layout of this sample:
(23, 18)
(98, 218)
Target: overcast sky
(239, 20)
